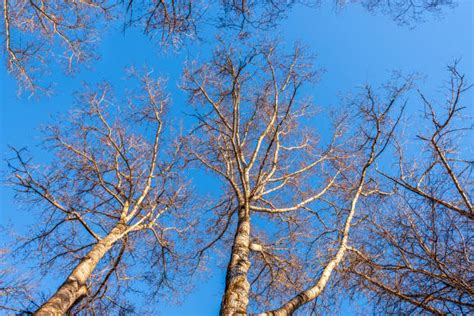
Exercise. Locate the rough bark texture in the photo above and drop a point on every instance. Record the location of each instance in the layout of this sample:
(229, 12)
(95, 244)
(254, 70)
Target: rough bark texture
(75, 288)
(237, 288)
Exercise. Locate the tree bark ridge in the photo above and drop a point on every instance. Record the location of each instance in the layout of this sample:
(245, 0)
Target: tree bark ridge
(235, 300)
(75, 287)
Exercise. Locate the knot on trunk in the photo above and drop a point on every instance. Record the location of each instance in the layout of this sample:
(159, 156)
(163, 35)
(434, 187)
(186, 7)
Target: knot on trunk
(256, 247)
(81, 287)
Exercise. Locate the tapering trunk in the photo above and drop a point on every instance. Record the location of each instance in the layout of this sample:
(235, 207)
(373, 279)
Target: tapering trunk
(75, 288)
(236, 295)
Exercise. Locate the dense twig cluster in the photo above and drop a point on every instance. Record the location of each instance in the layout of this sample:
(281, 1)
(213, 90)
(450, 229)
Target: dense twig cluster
(418, 249)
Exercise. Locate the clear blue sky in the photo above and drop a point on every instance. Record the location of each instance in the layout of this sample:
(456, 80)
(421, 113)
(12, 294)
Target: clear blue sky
(353, 46)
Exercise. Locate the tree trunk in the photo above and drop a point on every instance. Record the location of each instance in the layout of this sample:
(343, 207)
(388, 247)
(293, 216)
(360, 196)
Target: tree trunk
(236, 295)
(75, 288)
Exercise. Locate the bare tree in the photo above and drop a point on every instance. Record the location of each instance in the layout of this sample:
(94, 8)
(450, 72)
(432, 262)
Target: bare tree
(406, 11)
(111, 197)
(245, 117)
(278, 180)
(14, 287)
(250, 14)
(416, 250)
(40, 35)
(173, 20)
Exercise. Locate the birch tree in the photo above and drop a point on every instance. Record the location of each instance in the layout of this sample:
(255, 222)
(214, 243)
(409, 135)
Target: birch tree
(415, 254)
(254, 132)
(111, 194)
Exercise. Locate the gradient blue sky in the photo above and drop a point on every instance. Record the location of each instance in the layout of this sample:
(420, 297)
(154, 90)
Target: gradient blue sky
(354, 47)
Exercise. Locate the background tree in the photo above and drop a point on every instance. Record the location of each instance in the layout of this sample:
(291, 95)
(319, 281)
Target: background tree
(173, 21)
(415, 253)
(110, 200)
(14, 287)
(408, 12)
(42, 35)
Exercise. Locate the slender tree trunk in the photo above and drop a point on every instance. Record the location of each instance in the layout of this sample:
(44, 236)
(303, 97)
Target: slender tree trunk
(236, 295)
(75, 288)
